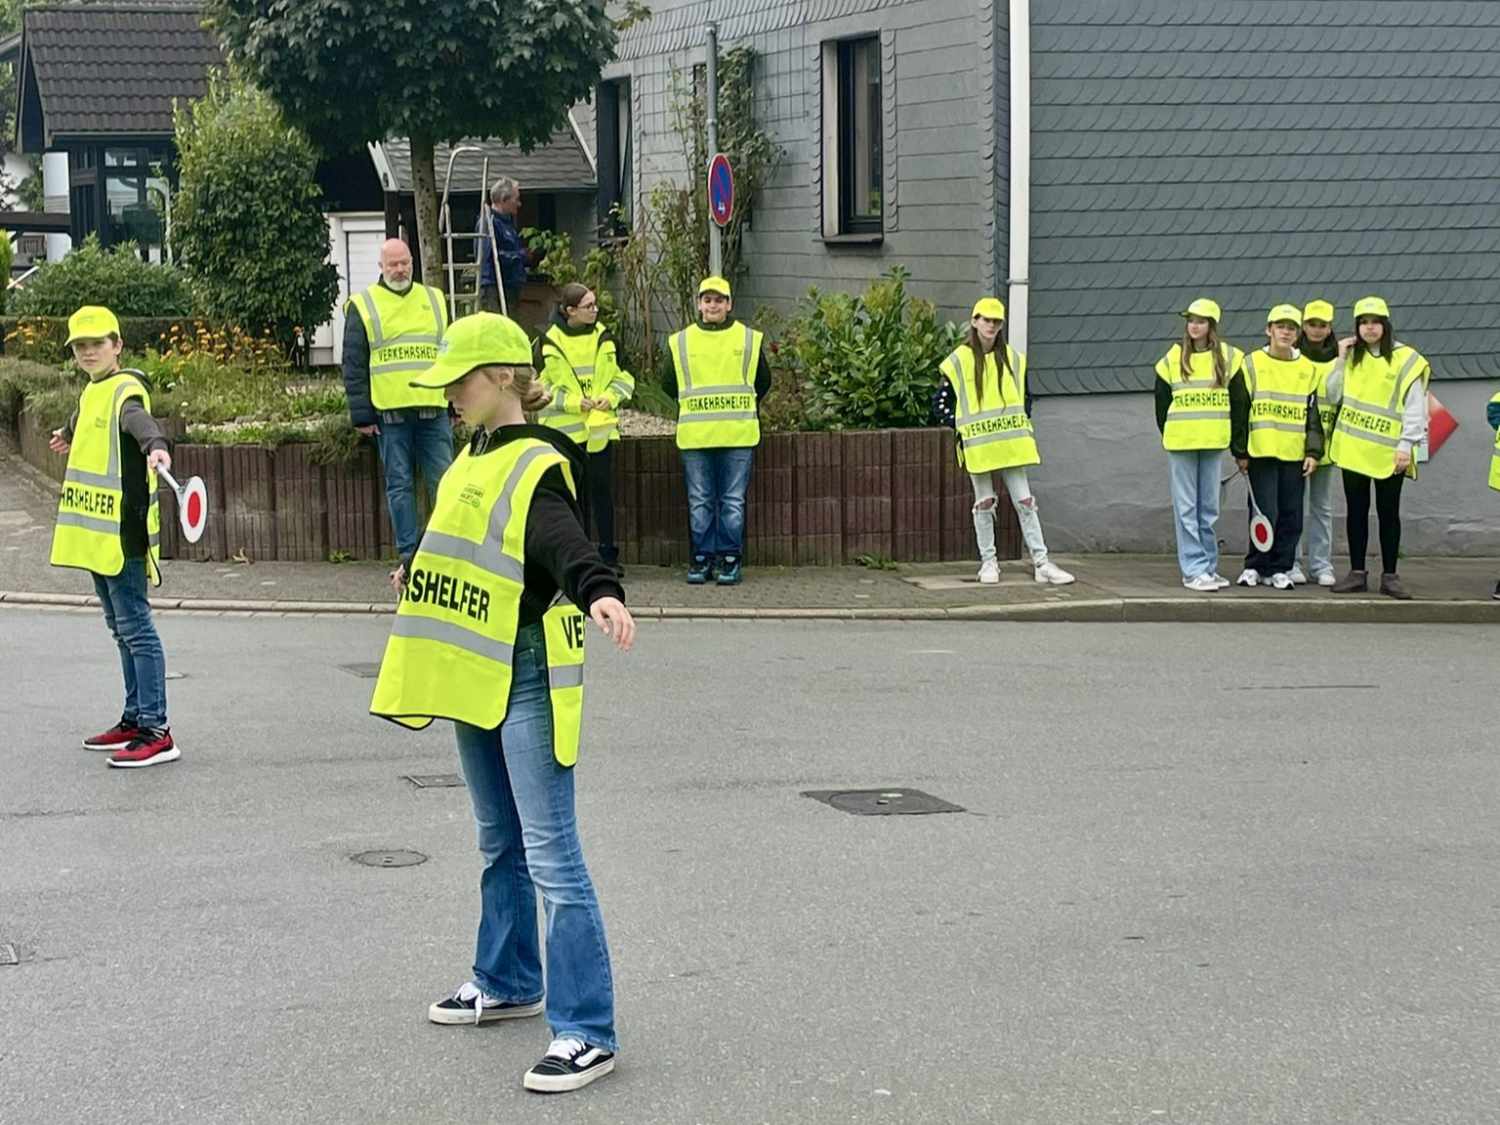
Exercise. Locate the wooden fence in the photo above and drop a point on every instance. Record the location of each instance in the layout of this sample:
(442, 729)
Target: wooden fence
(815, 499)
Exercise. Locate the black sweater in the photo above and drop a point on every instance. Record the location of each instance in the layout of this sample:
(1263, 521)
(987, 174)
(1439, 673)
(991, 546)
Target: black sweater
(559, 555)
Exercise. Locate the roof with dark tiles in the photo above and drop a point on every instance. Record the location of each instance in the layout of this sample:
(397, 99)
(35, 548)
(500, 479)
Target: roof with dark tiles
(1266, 150)
(114, 69)
(559, 165)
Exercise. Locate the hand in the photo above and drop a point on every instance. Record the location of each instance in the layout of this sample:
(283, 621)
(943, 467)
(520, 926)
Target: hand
(614, 619)
(587, 404)
(1403, 460)
(1309, 466)
(369, 431)
(159, 459)
(398, 579)
(58, 444)
(1243, 463)
(1344, 345)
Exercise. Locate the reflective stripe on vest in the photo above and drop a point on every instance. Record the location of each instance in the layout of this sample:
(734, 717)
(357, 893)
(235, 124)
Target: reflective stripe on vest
(1198, 417)
(713, 413)
(404, 333)
(1495, 457)
(1279, 389)
(452, 645)
(1369, 431)
(1328, 410)
(90, 510)
(990, 418)
(570, 383)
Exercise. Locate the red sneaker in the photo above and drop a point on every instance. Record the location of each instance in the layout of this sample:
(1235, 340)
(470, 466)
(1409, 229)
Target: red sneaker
(148, 748)
(117, 737)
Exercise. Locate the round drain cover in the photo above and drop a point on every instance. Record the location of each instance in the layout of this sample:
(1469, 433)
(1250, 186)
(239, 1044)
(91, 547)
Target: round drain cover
(398, 858)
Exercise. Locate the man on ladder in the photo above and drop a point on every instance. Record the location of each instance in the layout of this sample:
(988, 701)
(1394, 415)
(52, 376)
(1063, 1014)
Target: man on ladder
(497, 222)
(391, 330)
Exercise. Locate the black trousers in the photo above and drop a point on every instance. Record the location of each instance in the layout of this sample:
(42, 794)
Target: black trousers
(1357, 488)
(1278, 490)
(602, 501)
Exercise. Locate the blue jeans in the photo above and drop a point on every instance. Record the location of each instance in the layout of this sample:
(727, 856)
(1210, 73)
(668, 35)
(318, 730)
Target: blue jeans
(1195, 504)
(405, 444)
(523, 805)
(1317, 529)
(717, 480)
(127, 612)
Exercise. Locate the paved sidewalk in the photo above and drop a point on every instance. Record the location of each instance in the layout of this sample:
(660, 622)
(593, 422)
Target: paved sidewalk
(1109, 587)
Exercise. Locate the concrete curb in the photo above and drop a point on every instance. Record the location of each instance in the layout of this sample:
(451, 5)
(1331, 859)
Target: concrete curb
(1135, 610)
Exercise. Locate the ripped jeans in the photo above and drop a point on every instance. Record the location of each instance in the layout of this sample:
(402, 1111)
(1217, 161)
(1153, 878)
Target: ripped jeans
(1019, 489)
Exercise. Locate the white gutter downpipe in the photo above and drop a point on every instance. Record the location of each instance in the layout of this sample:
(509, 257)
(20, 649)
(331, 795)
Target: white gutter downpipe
(1020, 173)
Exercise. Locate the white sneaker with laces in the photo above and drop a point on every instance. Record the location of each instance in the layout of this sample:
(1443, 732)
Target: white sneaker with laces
(1051, 574)
(1220, 581)
(1248, 577)
(1324, 578)
(1203, 584)
(1283, 581)
(1296, 575)
(989, 573)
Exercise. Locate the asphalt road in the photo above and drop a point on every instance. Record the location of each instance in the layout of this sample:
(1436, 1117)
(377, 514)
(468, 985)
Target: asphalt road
(1206, 874)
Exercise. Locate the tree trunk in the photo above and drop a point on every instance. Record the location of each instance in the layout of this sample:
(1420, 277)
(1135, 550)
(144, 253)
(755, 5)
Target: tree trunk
(424, 185)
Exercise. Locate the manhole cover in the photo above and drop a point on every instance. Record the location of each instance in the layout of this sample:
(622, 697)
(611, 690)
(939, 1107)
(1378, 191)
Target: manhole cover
(882, 802)
(363, 671)
(398, 858)
(9, 955)
(433, 780)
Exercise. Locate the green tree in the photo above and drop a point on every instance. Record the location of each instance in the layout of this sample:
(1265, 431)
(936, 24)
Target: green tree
(247, 220)
(431, 70)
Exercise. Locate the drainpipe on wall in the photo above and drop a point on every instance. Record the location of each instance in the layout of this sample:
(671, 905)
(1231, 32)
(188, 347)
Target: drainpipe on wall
(1020, 173)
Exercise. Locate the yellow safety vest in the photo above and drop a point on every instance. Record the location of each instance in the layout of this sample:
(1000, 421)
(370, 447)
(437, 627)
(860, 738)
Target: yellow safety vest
(716, 406)
(1495, 457)
(1328, 410)
(450, 650)
(579, 366)
(1369, 420)
(1279, 390)
(90, 511)
(990, 414)
(404, 330)
(1199, 415)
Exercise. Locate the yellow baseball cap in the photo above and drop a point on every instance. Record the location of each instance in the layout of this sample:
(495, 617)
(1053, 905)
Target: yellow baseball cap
(92, 322)
(1285, 312)
(1205, 308)
(992, 308)
(1371, 306)
(713, 284)
(1318, 310)
(474, 341)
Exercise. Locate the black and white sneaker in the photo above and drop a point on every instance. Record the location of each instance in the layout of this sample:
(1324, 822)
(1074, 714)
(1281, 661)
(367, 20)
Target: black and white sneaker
(568, 1065)
(471, 1004)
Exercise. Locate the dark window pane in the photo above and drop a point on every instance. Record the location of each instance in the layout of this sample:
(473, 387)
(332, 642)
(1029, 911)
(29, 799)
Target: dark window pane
(860, 152)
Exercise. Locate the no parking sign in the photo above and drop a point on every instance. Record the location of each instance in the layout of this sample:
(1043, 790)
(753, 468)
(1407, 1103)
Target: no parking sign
(720, 190)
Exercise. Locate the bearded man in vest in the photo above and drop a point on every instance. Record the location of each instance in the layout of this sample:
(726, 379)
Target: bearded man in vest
(721, 376)
(391, 330)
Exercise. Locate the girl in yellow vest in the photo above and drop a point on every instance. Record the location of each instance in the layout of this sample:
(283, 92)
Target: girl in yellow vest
(1318, 343)
(1379, 386)
(578, 364)
(1277, 443)
(1492, 415)
(486, 634)
(983, 396)
(1192, 413)
(108, 523)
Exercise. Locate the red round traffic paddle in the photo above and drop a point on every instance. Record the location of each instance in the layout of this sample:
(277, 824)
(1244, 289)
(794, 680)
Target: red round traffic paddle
(1262, 534)
(192, 505)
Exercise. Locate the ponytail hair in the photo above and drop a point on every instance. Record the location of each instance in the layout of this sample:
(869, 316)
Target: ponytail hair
(569, 296)
(524, 383)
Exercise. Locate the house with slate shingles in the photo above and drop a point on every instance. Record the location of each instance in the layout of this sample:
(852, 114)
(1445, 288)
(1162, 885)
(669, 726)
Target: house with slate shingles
(1256, 151)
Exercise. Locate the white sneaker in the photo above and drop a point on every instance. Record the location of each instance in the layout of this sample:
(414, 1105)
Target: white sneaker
(1296, 575)
(1324, 578)
(1203, 584)
(1248, 577)
(1283, 581)
(989, 573)
(1220, 581)
(1051, 574)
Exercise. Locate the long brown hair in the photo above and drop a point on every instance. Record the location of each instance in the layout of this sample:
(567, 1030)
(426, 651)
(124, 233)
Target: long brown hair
(1185, 359)
(1002, 350)
(569, 296)
(1387, 342)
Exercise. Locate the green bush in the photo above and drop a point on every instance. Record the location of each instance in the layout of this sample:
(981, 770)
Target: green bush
(865, 362)
(248, 220)
(22, 380)
(115, 278)
(7, 256)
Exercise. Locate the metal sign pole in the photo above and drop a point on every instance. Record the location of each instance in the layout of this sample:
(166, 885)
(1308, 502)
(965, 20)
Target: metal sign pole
(711, 102)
